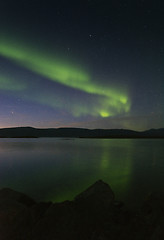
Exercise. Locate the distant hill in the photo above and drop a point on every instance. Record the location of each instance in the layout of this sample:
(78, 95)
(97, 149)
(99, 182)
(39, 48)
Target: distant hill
(27, 132)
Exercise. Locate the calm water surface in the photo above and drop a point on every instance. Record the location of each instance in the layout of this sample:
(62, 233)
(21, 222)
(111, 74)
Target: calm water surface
(57, 169)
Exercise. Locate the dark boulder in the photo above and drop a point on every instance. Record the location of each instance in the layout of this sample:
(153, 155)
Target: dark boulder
(99, 193)
(15, 216)
(38, 210)
(9, 194)
(57, 223)
(151, 217)
(83, 218)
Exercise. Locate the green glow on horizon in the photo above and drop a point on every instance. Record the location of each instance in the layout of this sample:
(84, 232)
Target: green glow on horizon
(110, 101)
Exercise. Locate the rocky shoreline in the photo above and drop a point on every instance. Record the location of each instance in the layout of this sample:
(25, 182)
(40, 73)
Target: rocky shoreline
(92, 215)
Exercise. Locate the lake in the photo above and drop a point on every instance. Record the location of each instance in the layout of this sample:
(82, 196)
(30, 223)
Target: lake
(57, 169)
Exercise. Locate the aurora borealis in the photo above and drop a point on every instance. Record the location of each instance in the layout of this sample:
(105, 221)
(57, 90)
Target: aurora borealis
(111, 101)
(94, 64)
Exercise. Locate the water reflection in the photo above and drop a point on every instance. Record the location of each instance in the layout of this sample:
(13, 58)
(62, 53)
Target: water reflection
(56, 169)
(116, 165)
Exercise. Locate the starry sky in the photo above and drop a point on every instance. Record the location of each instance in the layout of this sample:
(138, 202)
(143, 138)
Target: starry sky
(90, 64)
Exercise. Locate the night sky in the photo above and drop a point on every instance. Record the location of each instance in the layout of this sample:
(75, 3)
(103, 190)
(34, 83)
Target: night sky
(91, 64)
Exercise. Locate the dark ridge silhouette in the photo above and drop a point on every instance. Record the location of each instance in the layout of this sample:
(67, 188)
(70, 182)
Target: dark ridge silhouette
(30, 132)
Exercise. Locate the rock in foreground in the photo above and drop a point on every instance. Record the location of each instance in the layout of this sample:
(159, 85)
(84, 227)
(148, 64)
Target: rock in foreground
(93, 215)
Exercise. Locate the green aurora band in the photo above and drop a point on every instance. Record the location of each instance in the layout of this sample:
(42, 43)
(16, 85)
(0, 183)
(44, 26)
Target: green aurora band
(110, 102)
